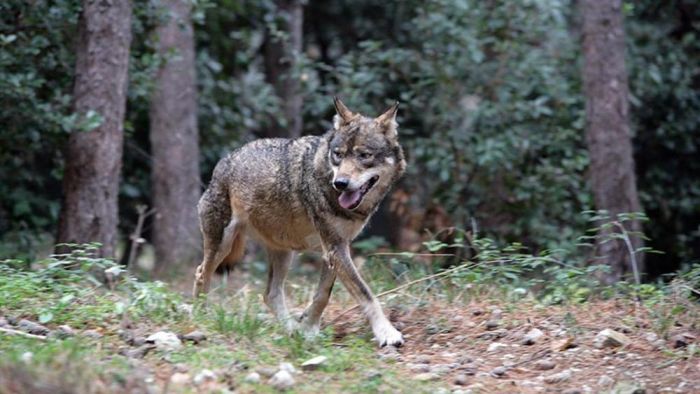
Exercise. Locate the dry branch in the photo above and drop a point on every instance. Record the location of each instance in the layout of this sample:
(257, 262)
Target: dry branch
(21, 333)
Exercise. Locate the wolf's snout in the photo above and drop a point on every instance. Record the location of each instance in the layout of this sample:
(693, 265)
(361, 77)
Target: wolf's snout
(341, 184)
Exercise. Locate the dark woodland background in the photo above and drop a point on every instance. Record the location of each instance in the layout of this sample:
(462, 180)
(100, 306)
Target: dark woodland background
(135, 105)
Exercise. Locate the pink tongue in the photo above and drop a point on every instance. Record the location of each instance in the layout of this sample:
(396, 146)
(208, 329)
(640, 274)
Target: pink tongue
(348, 199)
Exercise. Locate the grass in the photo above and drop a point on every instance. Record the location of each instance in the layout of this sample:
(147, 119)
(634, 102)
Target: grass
(242, 336)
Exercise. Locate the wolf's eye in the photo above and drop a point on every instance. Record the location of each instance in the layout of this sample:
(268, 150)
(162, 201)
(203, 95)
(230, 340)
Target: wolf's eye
(364, 155)
(336, 155)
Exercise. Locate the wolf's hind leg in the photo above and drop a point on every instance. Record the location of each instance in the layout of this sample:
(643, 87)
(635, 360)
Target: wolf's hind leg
(311, 318)
(222, 233)
(279, 262)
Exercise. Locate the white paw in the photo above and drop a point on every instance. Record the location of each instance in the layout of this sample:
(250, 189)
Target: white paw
(290, 324)
(309, 331)
(386, 334)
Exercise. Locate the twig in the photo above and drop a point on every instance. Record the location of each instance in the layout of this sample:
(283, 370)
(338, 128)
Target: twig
(409, 284)
(630, 249)
(413, 254)
(135, 237)
(22, 333)
(538, 355)
(691, 289)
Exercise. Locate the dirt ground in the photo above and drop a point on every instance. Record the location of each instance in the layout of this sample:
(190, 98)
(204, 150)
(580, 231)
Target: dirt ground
(481, 348)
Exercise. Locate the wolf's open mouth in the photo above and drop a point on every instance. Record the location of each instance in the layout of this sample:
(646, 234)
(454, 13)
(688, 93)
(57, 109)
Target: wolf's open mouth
(350, 199)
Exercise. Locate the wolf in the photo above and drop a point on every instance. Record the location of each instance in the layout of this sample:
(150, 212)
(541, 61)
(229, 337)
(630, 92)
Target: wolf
(309, 193)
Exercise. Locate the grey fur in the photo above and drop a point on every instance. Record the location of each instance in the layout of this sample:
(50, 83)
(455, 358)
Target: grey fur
(280, 191)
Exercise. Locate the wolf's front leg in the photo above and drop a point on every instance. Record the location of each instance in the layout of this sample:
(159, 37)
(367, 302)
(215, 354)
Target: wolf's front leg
(311, 318)
(384, 331)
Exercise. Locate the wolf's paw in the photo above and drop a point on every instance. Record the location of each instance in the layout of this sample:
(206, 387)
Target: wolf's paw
(290, 325)
(387, 335)
(307, 328)
(310, 331)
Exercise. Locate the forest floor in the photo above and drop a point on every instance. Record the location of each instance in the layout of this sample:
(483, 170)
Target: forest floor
(98, 341)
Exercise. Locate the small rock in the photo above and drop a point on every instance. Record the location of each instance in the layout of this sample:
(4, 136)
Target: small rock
(206, 375)
(610, 338)
(477, 312)
(287, 367)
(491, 324)
(195, 336)
(138, 341)
(465, 359)
(558, 377)
(496, 314)
(563, 344)
(605, 381)
(139, 352)
(252, 377)
(92, 334)
(423, 359)
(63, 331)
(469, 369)
(165, 341)
(4, 322)
(314, 363)
(426, 377)
(495, 346)
(373, 374)
(679, 341)
(32, 328)
(498, 372)
(544, 365)
(389, 353)
(651, 337)
(461, 380)
(27, 357)
(572, 391)
(419, 368)
(440, 369)
(532, 336)
(267, 372)
(180, 379)
(628, 388)
(282, 380)
(181, 367)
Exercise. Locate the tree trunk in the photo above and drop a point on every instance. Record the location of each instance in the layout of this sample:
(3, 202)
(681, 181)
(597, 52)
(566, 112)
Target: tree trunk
(608, 128)
(174, 141)
(93, 158)
(280, 51)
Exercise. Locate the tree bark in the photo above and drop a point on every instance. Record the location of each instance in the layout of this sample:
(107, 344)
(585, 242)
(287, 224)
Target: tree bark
(612, 170)
(175, 141)
(89, 211)
(280, 52)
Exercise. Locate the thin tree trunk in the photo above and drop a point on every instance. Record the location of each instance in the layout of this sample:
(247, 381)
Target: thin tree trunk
(89, 211)
(174, 141)
(280, 52)
(607, 125)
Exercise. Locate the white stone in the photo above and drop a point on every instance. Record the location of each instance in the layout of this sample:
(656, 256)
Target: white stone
(165, 341)
(282, 380)
(252, 377)
(205, 375)
(314, 363)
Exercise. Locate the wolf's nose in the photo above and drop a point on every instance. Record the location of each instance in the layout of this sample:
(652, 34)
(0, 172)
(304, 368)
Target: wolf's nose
(341, 184)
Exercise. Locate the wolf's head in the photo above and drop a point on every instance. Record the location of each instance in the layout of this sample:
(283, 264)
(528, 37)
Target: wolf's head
(365, 156)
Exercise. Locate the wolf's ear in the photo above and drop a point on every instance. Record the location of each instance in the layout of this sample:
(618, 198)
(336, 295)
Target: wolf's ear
(387, 120)
(344, 115)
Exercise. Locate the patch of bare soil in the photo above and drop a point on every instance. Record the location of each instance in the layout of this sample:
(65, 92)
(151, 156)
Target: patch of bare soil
(497, 349)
